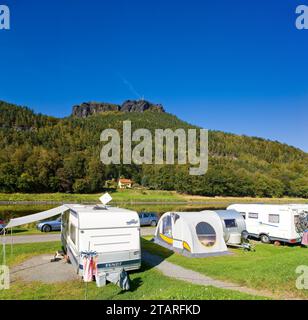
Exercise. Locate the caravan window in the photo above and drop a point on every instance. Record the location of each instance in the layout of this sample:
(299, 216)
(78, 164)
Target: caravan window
(253, 215)
(243, 214)
(206, 234)
(167, 226)
(64, 222)
(73, 233)
(230, 223)
(273, 218)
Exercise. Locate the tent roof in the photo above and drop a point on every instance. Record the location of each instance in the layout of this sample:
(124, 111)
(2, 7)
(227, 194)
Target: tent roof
(192, 217)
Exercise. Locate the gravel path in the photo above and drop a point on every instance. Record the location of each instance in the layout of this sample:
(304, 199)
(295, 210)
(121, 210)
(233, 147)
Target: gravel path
(174, 271)
(39, 268)
(147, 231)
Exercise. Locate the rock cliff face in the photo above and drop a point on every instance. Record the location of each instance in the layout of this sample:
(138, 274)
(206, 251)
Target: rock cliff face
(140, 106)
(87, 109)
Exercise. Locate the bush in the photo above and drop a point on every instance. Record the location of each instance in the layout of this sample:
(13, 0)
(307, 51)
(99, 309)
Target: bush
(81, 186)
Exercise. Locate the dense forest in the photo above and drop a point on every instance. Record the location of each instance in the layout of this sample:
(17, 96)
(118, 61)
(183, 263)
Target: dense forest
(39, 153)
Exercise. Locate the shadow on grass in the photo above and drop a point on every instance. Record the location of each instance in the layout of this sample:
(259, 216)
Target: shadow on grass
(146, 266)
(153, 254)
(17, 231)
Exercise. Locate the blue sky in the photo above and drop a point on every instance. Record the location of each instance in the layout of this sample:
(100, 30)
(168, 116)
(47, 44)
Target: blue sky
(237, 66)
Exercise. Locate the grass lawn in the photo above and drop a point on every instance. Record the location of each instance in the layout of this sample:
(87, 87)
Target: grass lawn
(270, 268)
(21, 231)
(134, 195)
(22, 252)
(146, 283)
(118, 196)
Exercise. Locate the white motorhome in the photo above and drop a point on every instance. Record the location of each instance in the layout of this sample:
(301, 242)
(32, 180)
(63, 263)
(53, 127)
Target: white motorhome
(272, 222)
(113, 233)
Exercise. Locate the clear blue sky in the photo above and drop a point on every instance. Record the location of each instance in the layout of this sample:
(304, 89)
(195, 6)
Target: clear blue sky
(239, 66)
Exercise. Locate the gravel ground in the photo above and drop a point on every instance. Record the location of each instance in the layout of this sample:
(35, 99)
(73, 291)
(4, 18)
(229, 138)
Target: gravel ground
(40, 268)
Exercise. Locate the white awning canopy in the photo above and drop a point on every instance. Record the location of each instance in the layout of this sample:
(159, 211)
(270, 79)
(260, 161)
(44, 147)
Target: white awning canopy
(36, 217)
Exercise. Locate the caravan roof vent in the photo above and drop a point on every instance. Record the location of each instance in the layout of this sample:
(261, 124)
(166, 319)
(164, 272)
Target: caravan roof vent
(97, 207)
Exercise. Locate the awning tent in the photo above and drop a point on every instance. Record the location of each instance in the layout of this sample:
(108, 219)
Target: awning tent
(35, 217)
(193, 234)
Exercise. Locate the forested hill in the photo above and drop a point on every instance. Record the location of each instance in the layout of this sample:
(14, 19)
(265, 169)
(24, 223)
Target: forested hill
(39, 153)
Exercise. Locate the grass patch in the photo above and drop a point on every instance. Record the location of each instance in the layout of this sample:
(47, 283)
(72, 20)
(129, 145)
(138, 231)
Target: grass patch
(270, 268)
(134, 195)
(22, 252)
(118, 196)
(146, 283)
(17, 210)
(31, 231)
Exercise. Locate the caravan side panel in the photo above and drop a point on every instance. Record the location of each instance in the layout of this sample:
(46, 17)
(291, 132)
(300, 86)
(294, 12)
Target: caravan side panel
(277, 221)
(116, 247)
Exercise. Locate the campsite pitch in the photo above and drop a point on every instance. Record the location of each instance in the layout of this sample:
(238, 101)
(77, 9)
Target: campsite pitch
(270, 269)
(39, 268)
(146, 283)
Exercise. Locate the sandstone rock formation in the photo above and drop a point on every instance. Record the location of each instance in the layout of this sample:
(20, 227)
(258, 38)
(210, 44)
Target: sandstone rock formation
(89, 108)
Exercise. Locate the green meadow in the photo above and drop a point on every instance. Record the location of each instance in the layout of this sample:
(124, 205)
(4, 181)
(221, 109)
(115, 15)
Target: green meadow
(269, 269)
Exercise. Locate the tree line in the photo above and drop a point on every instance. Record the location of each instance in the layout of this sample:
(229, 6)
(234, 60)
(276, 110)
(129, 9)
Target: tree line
(39, 153)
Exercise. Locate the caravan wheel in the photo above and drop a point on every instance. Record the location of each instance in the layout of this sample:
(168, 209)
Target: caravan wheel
(265, 238)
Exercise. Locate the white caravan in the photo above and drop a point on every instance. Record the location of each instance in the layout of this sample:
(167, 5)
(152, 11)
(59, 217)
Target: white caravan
(113, 233)
(272, 222)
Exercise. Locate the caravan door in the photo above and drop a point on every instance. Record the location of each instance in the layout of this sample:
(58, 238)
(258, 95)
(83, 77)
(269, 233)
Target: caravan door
(253, 223)
(64, 228)
(271, 225)
(177, 227)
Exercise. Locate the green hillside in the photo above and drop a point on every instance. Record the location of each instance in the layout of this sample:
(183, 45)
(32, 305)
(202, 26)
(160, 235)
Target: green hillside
(39, 153)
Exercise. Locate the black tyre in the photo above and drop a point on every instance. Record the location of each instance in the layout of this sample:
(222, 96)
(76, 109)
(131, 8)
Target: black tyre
(265, 238)
(46, 228)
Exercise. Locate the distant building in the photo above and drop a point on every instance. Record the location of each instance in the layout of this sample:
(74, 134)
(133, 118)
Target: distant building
(125, 183)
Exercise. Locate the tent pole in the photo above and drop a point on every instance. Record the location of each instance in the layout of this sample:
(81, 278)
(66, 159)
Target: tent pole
(4, 253)
(86, 288)
(11, 242)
